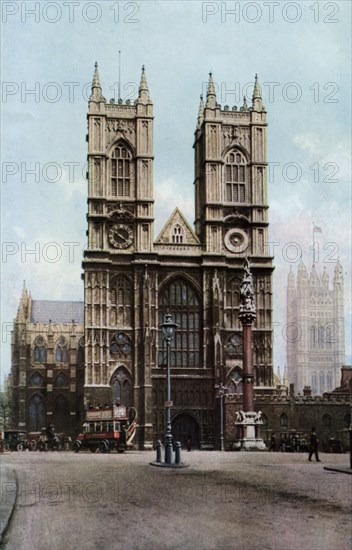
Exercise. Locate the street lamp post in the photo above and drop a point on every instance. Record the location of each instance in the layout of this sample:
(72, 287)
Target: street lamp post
(168, 328)
(221, 392)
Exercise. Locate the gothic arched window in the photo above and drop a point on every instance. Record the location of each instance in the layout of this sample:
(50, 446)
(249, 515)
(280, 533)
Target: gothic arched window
(61, 380)
(314, 383)
(121, 387)
(329, 381)
(284, 421)
(235, 177)
(39, 350)
(36, 413)
(177, 234)
(61, 355)
(312, 337)
(120, 344)
(61, 414)
(121, 301)
(232, 303)
(179, 298)
(121, 171)
(36, 380)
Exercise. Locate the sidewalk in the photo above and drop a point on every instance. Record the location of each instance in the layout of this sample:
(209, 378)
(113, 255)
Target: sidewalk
(8, 495)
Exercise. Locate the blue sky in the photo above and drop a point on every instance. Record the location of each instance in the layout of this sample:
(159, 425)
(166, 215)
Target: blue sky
(301, 52)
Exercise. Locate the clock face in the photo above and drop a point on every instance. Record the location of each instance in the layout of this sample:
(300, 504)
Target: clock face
(236, 240)
(120, 235)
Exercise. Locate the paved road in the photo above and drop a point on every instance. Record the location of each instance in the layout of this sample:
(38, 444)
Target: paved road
(239, 501)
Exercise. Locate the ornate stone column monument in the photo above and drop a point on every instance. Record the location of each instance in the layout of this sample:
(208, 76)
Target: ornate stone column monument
(248, 419)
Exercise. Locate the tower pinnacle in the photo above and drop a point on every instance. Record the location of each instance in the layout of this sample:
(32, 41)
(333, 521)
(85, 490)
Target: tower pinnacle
(211, 95)
(96, 94)
(143, 92)
(257, 102)
(200, 111)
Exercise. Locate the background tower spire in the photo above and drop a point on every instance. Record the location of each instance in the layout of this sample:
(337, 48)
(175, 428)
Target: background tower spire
(96, 94)
(257, 102)
(143, 93)
(211, 95)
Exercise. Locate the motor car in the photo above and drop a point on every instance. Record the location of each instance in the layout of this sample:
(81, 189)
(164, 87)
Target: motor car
(15, 440)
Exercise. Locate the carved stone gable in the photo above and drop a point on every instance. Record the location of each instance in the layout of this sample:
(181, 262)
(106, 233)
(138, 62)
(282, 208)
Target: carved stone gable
(124, 129)
(177, 231)
(235, 135)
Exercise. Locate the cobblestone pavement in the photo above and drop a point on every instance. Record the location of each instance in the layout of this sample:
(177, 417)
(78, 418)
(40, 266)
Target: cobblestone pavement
(239, 501)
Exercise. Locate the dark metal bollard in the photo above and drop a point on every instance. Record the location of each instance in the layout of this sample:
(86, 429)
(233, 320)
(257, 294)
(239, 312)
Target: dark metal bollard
(177, 452)
(158, 450)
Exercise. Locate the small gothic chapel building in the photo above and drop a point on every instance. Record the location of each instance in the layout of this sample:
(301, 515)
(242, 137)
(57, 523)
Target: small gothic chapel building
(47, 372)
(132, 280)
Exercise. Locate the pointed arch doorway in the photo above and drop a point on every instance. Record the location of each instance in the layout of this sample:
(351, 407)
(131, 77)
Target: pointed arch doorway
(184, 425)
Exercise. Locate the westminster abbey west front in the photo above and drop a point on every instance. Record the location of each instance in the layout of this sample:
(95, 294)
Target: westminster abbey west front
(132, 280)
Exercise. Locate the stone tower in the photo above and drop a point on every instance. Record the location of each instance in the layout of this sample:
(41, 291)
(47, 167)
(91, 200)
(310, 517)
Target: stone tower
(315, 322)
(232, 221)
(230, 177)
(120, 238)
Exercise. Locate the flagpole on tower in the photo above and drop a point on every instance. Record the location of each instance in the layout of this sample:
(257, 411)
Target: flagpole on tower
(119, 86)
(316, 229)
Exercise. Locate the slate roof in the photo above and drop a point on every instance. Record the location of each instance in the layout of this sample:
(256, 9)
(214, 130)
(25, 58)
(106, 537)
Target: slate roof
(58, 311)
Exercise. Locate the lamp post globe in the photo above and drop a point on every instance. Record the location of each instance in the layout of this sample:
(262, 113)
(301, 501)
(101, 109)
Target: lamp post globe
(168, 328)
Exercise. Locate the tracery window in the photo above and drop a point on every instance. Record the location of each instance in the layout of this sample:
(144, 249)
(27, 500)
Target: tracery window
(180, 298)
(61, 355)
(232, 303)
(322, 382)
(321, 337)
(121, 171)
(61, 380)
(121, 301)
(36, 413)
(284, 421)
(36, 380)
(329, 381)
(61, 414)
(39, 350)
(120, 344)
(121, 387)
(177, 234)
(314, 383)
(235, 177)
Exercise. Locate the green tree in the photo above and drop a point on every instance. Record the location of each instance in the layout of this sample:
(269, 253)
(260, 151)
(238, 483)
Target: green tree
(5, 411)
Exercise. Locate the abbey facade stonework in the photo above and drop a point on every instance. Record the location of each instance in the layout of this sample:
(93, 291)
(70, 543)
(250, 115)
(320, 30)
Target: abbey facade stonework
(110, 347)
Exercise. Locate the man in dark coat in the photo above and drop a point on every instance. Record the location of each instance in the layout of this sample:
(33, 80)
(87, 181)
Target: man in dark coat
(313, 446)
(272, 443)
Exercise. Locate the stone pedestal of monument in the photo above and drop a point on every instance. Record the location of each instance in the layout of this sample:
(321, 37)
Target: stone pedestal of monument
(249, 422)
(248, 419)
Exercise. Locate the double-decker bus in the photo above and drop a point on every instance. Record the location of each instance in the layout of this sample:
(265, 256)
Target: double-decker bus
(107, 428)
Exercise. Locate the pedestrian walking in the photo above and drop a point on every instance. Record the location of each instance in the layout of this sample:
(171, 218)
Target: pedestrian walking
(272, 443)
(313, 446)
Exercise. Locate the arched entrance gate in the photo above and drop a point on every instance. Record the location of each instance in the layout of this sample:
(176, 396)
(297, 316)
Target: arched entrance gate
(184, 425)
